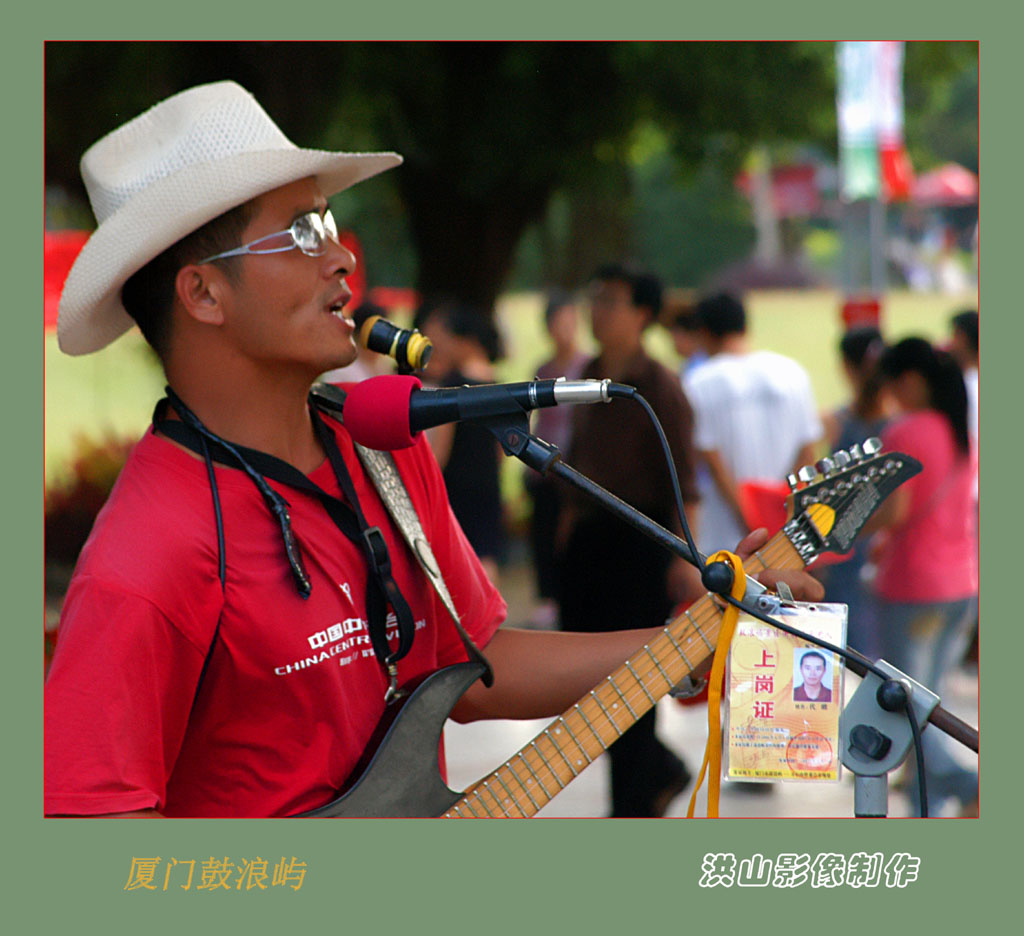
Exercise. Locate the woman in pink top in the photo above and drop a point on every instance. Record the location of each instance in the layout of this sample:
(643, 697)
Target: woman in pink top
(927, 580)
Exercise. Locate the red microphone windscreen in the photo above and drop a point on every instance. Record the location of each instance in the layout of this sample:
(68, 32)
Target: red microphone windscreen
(376, 411)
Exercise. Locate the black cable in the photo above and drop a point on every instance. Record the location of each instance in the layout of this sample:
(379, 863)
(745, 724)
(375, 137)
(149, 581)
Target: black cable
(922, 789)
(630, 393)
(277, 505)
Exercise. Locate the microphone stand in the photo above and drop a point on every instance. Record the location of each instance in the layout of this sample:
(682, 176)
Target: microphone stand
(874, 725)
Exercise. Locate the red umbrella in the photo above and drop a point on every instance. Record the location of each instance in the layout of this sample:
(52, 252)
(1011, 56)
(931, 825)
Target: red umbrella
(949, 185)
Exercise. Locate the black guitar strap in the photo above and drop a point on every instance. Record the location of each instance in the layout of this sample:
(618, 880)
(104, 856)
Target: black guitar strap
(381, 469)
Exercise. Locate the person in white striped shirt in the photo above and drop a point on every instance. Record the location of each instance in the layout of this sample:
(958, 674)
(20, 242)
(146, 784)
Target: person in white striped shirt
(755, 418)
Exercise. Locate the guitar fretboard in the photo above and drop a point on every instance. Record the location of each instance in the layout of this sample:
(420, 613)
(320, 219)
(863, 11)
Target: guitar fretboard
(528, 781)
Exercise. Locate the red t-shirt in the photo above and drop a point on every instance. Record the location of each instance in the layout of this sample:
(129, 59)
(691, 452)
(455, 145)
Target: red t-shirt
(293, 690)
(933, 555)
(800, 695)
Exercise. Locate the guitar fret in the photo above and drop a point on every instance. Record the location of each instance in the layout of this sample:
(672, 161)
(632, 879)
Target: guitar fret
(455, 809)
(696, 626)
(547, 764)
(483, 802)
(664, 675)
(624, 699)
(533, 772)
(679, 650)
(511, 795)
(761, 559)
(572, 735)
(640, 681)
(497, 799)
(558, 748)
(526, 789)
(593, 730)
(607, 714)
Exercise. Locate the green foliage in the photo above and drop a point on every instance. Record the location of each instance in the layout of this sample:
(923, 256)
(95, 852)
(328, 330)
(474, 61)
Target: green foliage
(496, 134)
(941, 100)
(685, 232)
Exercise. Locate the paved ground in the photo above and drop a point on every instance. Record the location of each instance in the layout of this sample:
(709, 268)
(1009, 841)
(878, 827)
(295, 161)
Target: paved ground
(477, 749)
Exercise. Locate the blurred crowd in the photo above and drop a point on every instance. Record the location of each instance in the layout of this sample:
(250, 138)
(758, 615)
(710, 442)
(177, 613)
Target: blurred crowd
(738, 421)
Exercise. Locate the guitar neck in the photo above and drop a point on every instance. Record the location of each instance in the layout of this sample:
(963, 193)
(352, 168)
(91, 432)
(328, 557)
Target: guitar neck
(553, 759)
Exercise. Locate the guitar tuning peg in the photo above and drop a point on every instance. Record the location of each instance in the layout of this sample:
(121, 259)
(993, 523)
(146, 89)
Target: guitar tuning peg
(826, 466)
(807, 474)
(872, 446)
(842, 459)
(793, 481)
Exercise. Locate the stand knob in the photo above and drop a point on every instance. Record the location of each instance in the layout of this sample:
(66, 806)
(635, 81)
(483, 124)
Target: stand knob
(717, 577)
(870, 742)
(893, 696)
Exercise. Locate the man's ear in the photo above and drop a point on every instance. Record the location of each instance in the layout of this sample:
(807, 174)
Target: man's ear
(201, 290)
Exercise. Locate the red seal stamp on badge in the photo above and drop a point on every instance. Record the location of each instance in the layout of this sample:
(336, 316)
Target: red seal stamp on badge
(809, 752)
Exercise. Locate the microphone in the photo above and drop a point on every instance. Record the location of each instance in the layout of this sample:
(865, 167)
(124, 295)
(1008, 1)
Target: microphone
(407, 346)
(388, 411)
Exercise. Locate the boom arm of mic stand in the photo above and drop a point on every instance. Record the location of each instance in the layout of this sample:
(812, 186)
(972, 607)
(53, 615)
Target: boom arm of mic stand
(515, 438)
(946, 721)
(547, 459)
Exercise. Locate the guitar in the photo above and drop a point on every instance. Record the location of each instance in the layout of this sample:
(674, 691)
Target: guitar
(400, 774)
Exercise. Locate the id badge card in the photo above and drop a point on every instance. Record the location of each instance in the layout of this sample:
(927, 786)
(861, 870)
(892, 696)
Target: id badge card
(784, 696)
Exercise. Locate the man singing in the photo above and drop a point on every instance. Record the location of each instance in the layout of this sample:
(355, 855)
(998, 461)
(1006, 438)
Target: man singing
(225, 646)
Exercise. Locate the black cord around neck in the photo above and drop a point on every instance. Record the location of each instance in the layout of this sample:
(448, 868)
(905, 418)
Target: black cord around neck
(277, 505)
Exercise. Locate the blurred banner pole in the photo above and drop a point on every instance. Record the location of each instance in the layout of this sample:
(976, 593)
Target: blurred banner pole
(873, 164)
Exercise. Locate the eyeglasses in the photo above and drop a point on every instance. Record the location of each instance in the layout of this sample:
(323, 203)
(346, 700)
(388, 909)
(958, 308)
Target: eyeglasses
(309, 233)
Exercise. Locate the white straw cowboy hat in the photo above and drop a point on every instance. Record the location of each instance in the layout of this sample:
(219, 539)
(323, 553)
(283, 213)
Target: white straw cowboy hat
(166, 173)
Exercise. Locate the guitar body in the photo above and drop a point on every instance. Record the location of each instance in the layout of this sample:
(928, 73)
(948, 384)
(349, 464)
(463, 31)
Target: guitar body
(402, 775)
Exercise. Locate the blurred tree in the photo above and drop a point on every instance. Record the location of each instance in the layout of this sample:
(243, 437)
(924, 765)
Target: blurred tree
(491, 132)
(941, 101)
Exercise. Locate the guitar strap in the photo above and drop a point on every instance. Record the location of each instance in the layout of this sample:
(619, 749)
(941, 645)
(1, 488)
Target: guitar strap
(380, 466)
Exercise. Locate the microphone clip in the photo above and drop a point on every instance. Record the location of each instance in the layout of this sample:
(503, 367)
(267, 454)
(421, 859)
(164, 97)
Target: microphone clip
(513, 433)
(512, 430)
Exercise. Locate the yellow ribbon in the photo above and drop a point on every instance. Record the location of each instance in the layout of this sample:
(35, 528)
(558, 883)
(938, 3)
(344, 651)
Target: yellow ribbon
(713, 750)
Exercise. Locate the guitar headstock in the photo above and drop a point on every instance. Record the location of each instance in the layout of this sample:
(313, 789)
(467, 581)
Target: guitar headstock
(831, 501)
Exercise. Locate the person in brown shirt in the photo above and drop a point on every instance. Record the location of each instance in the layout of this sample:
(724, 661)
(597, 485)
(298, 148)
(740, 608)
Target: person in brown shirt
(614, 577)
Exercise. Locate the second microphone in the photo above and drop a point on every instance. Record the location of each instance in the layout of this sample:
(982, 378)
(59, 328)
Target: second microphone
(387, 412)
